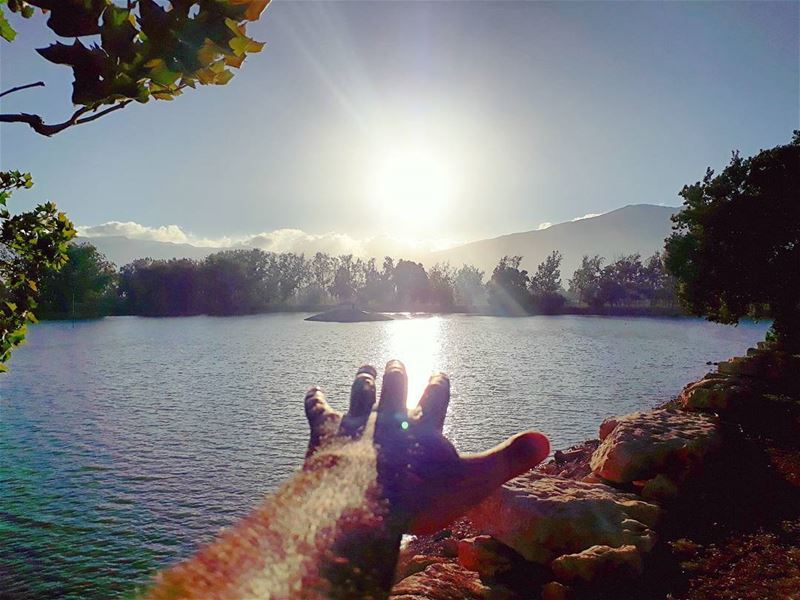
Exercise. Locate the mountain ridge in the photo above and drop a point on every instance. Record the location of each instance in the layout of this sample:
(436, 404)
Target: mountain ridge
(633, 228)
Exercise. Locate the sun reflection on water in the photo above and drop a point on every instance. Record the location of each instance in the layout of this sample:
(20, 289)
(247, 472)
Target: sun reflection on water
(416, 342)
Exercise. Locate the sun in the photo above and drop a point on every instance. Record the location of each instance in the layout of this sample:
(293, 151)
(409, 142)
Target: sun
(411, 188)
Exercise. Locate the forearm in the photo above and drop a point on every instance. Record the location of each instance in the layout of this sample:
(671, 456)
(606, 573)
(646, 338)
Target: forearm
(323, 534)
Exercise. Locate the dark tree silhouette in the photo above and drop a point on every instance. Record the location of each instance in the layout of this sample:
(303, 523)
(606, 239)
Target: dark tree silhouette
(508, 287)
(83, 288)
(737, 241)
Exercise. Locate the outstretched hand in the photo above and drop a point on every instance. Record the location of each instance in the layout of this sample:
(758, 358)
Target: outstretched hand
(422, 479)
(333, 529)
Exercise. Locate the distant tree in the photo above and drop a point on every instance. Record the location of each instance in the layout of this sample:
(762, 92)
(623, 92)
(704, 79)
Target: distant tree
(239, 282)
(32, 243)
(659, 283)
(626, 277)
(83, 288)
(161, 288)
(344, 281)
(138, 51)
(291, 273)
(411, 282)
(441, 279)
(374, 292)
(545, 285)
(585, 282)
(547, 278)
(736, 242)
(469, 289)
(508, 287)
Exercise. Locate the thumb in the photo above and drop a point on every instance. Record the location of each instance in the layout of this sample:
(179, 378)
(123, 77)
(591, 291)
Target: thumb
(484, 472)
(478, 476)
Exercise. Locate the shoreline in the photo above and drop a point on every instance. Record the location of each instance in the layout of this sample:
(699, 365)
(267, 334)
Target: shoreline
(415, 311)
(713, 534)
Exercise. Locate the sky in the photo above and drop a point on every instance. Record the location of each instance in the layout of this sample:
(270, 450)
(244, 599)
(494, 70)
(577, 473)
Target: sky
(426, 123)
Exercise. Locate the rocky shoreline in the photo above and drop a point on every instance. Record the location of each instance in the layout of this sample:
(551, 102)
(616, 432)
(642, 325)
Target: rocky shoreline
(698, 498)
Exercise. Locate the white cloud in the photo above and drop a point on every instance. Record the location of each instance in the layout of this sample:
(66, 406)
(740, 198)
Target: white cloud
(278, 240)
(587, 216)
(134, 231)
(544, 225)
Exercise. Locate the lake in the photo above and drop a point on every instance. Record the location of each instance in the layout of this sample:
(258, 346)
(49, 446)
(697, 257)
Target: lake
(126, 442)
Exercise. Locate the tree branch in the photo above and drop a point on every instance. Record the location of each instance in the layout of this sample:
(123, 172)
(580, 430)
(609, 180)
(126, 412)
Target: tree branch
(103, 112)
(39, 126)
(22, 87)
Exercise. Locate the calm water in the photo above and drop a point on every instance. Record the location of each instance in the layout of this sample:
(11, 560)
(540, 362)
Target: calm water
(126, 442)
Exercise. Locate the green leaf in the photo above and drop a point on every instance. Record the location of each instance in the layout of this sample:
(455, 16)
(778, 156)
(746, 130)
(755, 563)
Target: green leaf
(6, 31)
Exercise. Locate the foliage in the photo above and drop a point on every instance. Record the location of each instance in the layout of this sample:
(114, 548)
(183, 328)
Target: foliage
(736, 242)
(585, 281)
(441, 279)
(508, 287)
(145, 49)
(160, 288)
(468, 288)
(545, 285)
(411, 282)
(625, 282)
(31, 244)
(251, 281)
(83, 288)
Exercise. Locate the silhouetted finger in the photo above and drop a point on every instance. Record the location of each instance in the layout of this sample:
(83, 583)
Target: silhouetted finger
(394, 389)
(322, 419)
(362, 392)
(434, 401)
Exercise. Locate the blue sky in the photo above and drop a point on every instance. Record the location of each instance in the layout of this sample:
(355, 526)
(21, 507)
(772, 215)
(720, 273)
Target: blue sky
(536, 112)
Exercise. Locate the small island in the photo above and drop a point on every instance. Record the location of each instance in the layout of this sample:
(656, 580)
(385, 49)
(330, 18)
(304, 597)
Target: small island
(348, 314)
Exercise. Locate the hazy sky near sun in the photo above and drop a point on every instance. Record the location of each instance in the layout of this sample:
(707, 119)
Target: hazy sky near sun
(528, 112)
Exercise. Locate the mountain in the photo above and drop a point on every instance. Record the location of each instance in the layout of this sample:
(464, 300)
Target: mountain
(121, 250)
(638, 228)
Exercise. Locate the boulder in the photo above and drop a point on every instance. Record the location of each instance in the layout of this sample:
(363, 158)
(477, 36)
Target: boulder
(555, 591)
(607, 427)
(542, 517)
(445, 581)
(646, 444)
(486, 555)
(660, 489)
(601, 563)
(716, 393)
(415, 564)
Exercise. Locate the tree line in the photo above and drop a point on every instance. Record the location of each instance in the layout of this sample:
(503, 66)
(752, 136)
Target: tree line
(248, 281)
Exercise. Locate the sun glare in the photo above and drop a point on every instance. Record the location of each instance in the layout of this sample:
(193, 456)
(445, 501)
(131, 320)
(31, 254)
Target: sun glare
(417, 343)
(412, 188)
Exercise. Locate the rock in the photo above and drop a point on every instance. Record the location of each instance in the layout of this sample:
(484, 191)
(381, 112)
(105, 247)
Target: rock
(572, 463)
(607, 427)
(770, 365)
(348, 315)
(450, 547)
(660, 489)
(646, 444)
(599, 563)
(415, 564)
(542, 517)
(486, 555)
(740, 366)
(443, 581)
(718, 394)
(555, 591)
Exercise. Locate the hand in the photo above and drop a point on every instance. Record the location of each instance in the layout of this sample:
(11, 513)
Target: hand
(333, 529)
(421, 478)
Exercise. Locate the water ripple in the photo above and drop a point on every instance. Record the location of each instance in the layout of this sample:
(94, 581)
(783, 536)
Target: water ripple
(125, 443)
